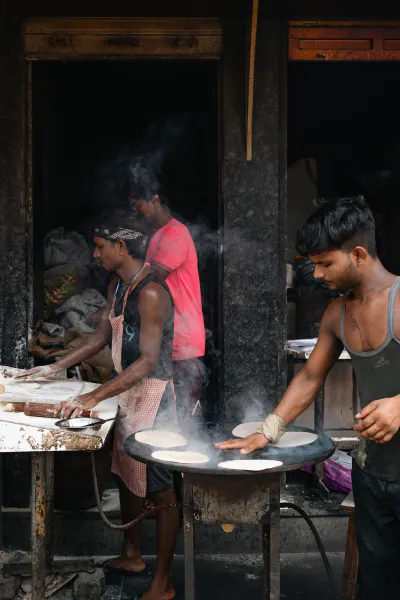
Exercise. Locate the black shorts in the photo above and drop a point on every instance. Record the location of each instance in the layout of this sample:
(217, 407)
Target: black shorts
(188, 381)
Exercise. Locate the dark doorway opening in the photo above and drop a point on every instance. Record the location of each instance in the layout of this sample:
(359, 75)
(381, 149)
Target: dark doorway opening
(343, 117)
(86, 115)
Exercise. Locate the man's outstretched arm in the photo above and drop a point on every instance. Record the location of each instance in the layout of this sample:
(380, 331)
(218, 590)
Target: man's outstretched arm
(303, 388)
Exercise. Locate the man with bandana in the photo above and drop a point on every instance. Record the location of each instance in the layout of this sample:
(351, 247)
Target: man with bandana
(139, 321)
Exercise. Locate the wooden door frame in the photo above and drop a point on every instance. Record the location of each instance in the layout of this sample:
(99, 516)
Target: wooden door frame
(344, 40)
(119, 38)
(100, 39)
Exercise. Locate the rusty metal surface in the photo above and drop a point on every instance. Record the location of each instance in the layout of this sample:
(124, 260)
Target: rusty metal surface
(211, 499)
(235, 499)
(49, 517)
(38, 525)
(202, 438)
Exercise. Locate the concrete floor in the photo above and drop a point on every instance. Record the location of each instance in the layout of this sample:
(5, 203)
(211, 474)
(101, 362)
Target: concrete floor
(236, 577)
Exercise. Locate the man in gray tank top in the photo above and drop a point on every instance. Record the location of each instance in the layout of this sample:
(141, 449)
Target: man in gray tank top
(339, 238)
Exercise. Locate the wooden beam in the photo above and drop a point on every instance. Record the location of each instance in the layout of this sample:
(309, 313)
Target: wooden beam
(250, 91)
(74, 39)
(344, 41)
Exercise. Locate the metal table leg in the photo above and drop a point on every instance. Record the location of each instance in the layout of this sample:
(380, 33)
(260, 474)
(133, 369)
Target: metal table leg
(49, 492)
(319, 426)
(42, 508)
(188, 532)
(38, 525)
(272, 543)
(1, 502)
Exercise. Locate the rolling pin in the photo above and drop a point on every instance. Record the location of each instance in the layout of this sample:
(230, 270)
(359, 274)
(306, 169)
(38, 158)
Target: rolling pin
(36, 409)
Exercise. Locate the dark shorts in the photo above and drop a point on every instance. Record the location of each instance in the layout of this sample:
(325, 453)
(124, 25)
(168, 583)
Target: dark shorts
(188, 382)
(159, 478)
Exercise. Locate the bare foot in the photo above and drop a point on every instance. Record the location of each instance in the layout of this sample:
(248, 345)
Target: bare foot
(126, 564)
(157, 592)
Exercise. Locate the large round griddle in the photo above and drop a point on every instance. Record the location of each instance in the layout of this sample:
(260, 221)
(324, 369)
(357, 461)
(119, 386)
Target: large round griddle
(202, 438)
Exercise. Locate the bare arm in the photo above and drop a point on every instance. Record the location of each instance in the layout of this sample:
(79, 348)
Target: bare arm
(306, 385)
(154, 308)
(91, 344)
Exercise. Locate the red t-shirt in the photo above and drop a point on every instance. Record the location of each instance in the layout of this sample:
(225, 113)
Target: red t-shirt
(172, 249)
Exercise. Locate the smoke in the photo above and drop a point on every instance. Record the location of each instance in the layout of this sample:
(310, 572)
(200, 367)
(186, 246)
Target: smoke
(252, 404)
(140, 167)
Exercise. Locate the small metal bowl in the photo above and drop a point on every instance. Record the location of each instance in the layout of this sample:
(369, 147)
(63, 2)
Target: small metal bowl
(80, 424)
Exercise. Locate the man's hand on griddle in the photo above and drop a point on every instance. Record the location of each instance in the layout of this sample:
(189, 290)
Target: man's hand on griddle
(73, 408)
(380, 420)
(253, 442)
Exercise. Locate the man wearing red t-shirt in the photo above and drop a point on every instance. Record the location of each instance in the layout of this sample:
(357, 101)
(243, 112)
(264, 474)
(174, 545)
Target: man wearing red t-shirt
(173, 256)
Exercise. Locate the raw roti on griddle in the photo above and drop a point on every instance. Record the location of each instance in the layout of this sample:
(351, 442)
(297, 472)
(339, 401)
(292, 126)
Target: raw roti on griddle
(245, 429)
(160, 438)
(290, 439)
(250, 465)
(184, 457)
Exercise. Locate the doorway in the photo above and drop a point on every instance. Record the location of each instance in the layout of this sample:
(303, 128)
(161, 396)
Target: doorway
(88, 118)
(345, 127)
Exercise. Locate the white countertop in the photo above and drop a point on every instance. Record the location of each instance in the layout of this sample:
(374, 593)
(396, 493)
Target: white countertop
(20, 433)
(306, 353)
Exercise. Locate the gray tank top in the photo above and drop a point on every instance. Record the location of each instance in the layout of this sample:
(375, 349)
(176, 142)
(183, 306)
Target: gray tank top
(378, 376)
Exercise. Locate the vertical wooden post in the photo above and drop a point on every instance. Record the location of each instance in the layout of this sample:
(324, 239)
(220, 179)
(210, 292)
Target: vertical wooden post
(250, 84)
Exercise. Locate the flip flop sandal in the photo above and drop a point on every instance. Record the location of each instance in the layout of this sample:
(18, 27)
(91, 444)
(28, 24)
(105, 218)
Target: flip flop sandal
(108, 569)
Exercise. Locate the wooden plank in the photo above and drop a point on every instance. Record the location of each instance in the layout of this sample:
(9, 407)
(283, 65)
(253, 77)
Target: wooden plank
(68, 46)
(329, 55)
(350, 571)
(343, 33)
(355, 23)
(344, 40)
(101, 26)
(250, 89)
(391, 44)
(335, 44)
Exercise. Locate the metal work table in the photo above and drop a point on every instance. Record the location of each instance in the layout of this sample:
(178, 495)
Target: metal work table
(216, 495)
(41, 438)
(345, 438)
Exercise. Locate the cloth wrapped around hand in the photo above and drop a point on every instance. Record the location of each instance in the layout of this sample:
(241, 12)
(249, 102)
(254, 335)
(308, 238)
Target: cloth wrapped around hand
(273, 428)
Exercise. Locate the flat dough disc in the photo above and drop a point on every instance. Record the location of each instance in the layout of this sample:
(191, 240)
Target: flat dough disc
(195, 458)
(290, 439)
(250, 465)
(160, 438)
(246, 429)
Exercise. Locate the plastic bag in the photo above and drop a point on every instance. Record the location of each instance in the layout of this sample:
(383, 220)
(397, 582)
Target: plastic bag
(62, 247)
(337, 472)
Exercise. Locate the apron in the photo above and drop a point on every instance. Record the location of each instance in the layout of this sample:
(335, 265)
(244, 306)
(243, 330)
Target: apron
(138, 410)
